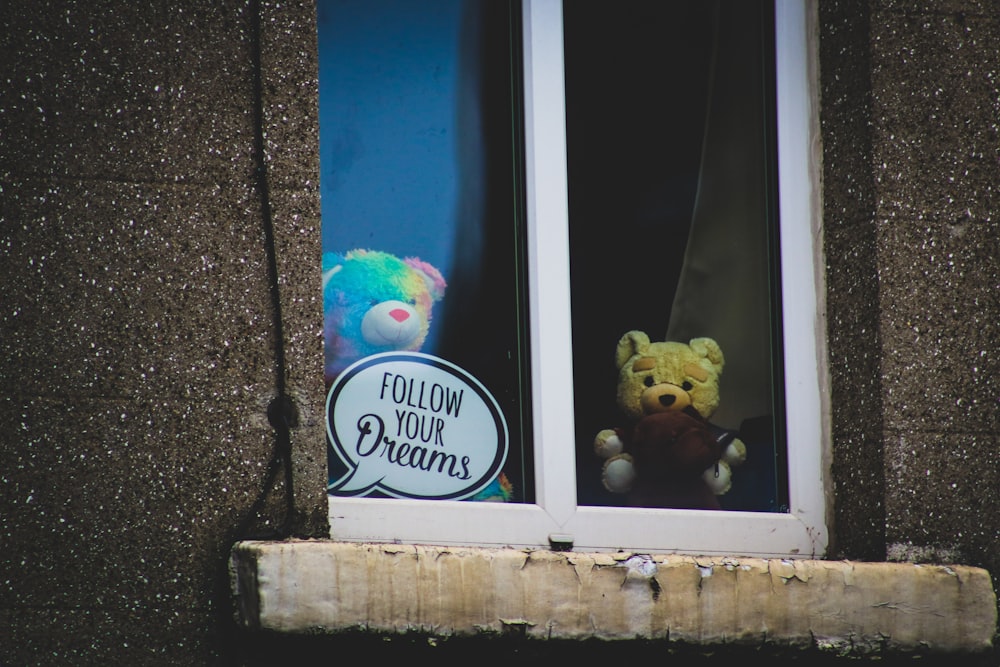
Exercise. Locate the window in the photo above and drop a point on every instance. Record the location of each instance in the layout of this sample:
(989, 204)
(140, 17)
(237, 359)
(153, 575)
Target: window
(464, 134)
(422, 108)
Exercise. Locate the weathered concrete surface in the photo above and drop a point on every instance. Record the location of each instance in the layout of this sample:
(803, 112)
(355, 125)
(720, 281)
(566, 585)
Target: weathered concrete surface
(844, 607)
(911, 186)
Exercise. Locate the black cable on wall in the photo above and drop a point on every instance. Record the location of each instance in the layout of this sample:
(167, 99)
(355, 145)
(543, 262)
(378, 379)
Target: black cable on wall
(281, 411)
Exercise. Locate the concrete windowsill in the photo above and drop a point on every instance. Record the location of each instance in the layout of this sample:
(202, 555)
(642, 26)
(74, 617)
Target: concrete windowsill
(310, 586)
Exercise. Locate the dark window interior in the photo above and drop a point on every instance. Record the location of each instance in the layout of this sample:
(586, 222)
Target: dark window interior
(672, 222)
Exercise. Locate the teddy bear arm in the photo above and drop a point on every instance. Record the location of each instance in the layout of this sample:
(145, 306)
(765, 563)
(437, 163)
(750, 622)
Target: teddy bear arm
(735, 452)
(718, 477)
(618, 474)
(608, 443)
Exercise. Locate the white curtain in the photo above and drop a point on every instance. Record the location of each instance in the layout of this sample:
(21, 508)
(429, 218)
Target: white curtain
(723, 290)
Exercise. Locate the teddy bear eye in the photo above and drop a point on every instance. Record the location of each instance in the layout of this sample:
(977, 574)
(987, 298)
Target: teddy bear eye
(687, 386)
(649, 381)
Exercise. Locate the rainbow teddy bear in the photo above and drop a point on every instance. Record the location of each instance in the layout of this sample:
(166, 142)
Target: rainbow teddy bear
(375, 302)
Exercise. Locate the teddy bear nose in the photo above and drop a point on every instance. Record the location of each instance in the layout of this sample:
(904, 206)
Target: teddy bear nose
(399, 314)
(666, 400)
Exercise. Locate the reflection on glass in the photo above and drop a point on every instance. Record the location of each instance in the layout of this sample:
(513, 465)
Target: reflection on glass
(674, 238)
(420, 183)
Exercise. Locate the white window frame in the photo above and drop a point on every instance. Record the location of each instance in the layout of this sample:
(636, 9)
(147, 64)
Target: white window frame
(555, 518)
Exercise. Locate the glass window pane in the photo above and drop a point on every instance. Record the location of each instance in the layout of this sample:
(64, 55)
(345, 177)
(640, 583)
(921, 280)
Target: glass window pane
(422, 208)
(671, 159)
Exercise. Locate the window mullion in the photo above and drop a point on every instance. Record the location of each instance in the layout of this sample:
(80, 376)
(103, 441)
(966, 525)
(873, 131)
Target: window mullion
(548, 258)
(803, 336)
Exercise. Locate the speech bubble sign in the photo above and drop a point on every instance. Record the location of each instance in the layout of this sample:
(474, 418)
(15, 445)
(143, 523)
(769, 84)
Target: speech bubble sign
(414, 426)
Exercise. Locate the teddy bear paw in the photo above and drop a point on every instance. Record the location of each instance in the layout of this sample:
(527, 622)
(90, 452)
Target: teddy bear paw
(618, 473)
(719, 478)
(735, 453)
(608, 444)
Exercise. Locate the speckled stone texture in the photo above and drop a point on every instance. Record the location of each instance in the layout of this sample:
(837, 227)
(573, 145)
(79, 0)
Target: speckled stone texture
(851, 274)
(138, 326)
(912, 168)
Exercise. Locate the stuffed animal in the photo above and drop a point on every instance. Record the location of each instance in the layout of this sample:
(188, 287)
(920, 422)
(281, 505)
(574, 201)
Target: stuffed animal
(375, 302)
(500, 490)
(668, 454)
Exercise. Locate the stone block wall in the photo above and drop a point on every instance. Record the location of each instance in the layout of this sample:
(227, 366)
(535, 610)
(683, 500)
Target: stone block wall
(910, 177)
(152, 255)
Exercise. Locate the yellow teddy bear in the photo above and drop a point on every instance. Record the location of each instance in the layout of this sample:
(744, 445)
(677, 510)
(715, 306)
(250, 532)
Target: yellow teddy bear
(668, 454)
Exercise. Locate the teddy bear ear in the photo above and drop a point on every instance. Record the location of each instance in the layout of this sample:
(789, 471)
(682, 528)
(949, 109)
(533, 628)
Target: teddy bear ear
(332, 263)
(435, 281)
(332, 259)
(709, 349)
(629, 345)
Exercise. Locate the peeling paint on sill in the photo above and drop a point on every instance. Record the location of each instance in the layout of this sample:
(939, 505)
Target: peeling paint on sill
(839, 607)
